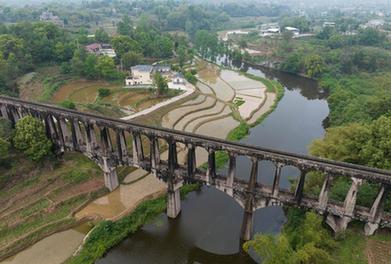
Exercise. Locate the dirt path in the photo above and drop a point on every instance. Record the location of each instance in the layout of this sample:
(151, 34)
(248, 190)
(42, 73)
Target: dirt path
(189, 90)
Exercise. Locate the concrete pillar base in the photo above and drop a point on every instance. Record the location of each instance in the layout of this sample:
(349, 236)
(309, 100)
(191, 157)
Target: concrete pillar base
(338, 224)
(247, 227)
(370, 228)
(173, 203)
(111, 180)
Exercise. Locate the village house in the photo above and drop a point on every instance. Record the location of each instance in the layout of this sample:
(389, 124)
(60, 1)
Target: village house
(101, 49)
(93, 48)
(374, 23)
(141, 75)
(329, 24)
(162, 69)
(178, 78)
(295, 31)
(107, 50)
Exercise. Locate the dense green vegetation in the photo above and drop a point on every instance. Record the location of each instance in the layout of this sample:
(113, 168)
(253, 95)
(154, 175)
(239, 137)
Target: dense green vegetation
(30, 137)
(303, 241)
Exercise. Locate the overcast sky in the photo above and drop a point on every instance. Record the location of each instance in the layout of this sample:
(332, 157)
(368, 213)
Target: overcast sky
(298, 3)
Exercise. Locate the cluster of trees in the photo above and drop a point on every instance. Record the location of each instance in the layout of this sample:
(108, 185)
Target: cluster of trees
(207, 44)
(28, 137)
(303, 241)
(92, 66)
(360, 98)
(332, 59)
(24, 45)
(366, 37)
(143, 38)
(366, 144)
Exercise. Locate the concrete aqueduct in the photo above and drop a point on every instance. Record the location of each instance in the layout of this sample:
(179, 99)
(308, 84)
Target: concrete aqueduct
(92, 135)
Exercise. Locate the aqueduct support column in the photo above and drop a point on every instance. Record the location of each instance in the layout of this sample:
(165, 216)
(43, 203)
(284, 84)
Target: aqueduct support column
(247, 224)
(324, 193)
(276, 180)
(340, 223)
(79, 135)
(14, 113)
(231, 174)
(154, 154)
(109, 164)
(122, 148)
(91, 144)
(4, 112)
(65, 133)
(211, 170)
(300, 187)
(191, 160)
(376, 211)
(173, 187)
(138, 152)
(51, 129)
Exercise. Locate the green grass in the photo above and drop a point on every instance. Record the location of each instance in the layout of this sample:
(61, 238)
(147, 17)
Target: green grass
(75, 176)
(36, 207)
(107, 234)
(239, 132)
(239, 101)
(350, 249)
(62, 211)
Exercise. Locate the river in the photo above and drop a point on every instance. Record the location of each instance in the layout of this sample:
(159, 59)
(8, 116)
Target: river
(207, 230)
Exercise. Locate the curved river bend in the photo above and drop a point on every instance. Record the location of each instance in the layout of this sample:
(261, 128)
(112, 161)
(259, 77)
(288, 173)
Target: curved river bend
(207, 230)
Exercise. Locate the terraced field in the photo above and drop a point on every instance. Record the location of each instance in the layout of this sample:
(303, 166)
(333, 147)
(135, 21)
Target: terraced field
(225, 99)
(120, 102)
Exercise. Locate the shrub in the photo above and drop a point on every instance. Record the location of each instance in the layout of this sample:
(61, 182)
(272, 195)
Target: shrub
(103, 92)
(68, 104)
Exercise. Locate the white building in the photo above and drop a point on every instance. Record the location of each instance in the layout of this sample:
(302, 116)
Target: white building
(329, 24)
(294, 30)
(162, 69)
(178, 78)
(271, 31)
(107, 50)
(141, 76)
(375, 23)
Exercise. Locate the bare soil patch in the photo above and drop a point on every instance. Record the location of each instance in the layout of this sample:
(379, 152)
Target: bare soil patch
(378, 252)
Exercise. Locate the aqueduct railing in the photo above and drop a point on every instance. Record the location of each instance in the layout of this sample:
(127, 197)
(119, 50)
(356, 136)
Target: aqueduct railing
(139, 146)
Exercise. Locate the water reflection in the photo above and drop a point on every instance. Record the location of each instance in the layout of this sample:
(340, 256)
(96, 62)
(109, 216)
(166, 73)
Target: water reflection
(208, 229)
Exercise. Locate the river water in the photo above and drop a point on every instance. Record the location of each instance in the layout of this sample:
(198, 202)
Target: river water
(207, 231)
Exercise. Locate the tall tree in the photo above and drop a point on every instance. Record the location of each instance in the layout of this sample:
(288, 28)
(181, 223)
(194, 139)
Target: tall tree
(106, 68)
(30, 137)
(161, 84)
(125, 27)
(131, 58)
(102, 36)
